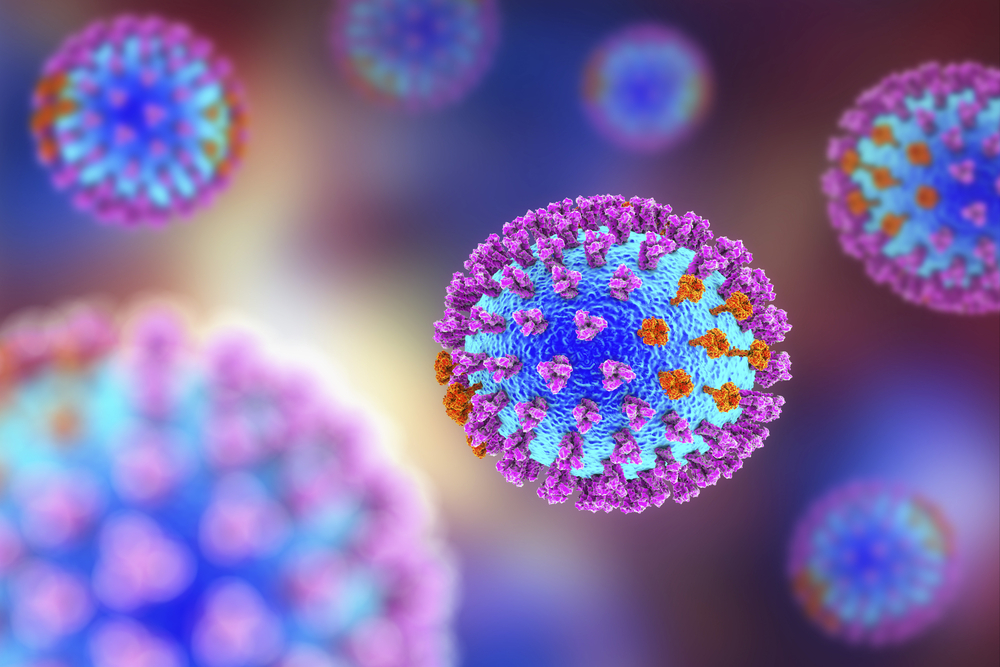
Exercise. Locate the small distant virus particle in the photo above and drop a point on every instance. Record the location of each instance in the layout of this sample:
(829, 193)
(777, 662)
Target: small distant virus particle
(914, 190)
(647, 87)
(873, 563)
(169, 503)
(611, 344)
(139, 120)
(416, 55)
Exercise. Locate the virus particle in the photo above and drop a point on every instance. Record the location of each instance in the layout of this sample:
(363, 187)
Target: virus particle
(138, 120)
(168, 503)
(612, 344)
(415, 54)
(873, 563)
(646, 87)
(914, 188)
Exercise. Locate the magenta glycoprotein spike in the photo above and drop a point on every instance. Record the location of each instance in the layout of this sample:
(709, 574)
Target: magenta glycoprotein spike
(646, 87)
(914, 190)
(873, 563)
(139, 120)
(631, 412)
(172, 503)
(416, 55)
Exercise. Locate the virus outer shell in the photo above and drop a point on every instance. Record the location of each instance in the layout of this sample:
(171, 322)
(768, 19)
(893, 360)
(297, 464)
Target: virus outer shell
(646, 87)
(557, 321)
(872, 563)
(168, 505)
(415, 54)
(139, 120)
(915, 187)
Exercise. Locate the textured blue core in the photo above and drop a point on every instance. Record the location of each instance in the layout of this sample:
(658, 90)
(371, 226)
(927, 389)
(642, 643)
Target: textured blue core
(619, 342)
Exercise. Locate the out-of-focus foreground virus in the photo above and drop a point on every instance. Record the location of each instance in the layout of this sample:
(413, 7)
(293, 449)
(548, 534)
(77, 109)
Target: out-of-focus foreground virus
(139, 120)
(646, 87)
(611, 343)
(915, 190)
(415, 54)
(873, 563)
(169, 504)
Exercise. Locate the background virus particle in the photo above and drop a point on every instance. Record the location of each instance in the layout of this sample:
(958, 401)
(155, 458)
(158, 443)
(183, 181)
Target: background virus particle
(873, 563)
(415, 54)
(646, 87)
(611, 343)
(171, 504)
(915, 187)
(139, 120)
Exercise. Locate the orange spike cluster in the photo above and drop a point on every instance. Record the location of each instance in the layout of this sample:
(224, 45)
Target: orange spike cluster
(677, 383)
(479, 451)
(759, 354)
(892, 223)
(927, 196)
(443, 367)
(714, 342)
(812, 594)
(689, 288)
(654, 331)
(65, 424)
(726, 398)
(882, 134)
(458, 401)
(856, 202)
(882, 177)
(919, 154)
(738, 304)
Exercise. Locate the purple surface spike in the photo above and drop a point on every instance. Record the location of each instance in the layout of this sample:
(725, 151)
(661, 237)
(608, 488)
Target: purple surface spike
(777, 370)
(688, 231)
(596, 248)
(518, 244)
(587, 325)
(769, 324)
(518, 282)
(570, 451)
(638, 412)
(761, 406)
(678, 429)
(623, 282)
(567, 227)
(503, 368)
(530, 414)
(531, 321)
(481, 320)
(652, 249)
(620, 223)
(586, 414)
(465, 363)
(550, 250)
(463, 292)
(451, 330)
(491, 255)
(706, 261)
(615, 374)
(555, 373)
(565, 281)
(753, 283)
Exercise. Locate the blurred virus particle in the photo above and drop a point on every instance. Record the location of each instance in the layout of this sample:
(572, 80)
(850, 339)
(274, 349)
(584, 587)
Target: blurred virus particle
(139, 120)
(646, 87)
(915, 187)
(873, 563)
(415, 54)
(609, 342)
(169, 504)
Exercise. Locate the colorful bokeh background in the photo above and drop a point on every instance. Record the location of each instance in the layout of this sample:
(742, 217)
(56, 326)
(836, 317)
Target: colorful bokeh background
(346, 222)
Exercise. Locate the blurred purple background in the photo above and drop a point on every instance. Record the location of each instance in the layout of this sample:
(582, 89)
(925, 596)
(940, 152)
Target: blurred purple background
(346, 222)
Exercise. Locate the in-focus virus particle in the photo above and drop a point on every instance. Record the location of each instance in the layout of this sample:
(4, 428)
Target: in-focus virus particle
(611, 343)
(415, 54)
(139, 120)
(915, 187)
(873, 563)
(170, 504)
(646, 87)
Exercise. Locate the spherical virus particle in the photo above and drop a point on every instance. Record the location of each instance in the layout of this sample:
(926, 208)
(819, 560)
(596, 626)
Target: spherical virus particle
(873, 563)
(610, 342)
(915, 187)
(139, 120)
(646, 87)
(166, 504)
(415, 54)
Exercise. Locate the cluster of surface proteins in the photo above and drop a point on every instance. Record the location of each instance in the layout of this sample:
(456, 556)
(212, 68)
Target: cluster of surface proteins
(915, 190)
(646, 87)
(415, 54)
(614, 345)
(873, 563)
(139, 120)
(167, 504)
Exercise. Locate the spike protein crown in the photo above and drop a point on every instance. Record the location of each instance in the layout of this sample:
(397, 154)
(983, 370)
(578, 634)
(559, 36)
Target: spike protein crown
(609, 342)
(168, 506)
(415, 54)
(139, 120)
(915, 190)
(646, 87)
(872, 563)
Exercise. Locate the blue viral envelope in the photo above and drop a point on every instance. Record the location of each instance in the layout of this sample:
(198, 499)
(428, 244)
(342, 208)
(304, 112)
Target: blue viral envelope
(646, 87)
(415, 54)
